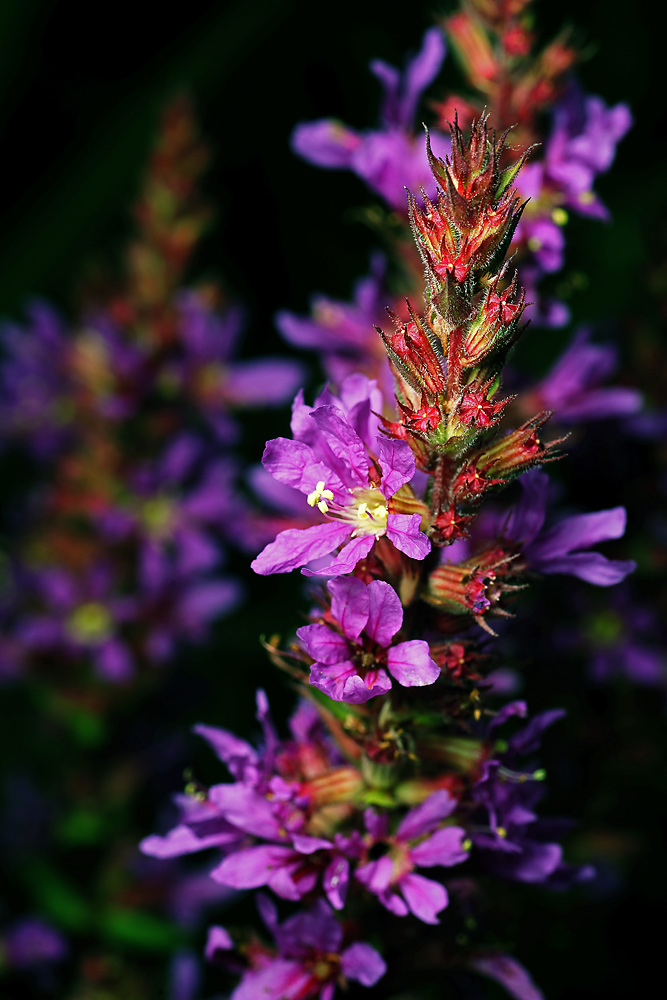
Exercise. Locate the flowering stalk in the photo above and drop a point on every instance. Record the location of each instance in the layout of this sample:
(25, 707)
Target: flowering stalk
(131, 413)
(383, 791)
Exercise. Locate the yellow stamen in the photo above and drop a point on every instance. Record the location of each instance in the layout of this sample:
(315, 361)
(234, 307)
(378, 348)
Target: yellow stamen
(320, 496)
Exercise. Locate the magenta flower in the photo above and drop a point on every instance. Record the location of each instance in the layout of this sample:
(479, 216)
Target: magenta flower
(330, 462)
(293, 871)
(310, 962)
(573, 386)
(419, 842)
(344, 332)
(562, 548)
(393, 157)
(31, 942)
(583, 144)
(352, 666)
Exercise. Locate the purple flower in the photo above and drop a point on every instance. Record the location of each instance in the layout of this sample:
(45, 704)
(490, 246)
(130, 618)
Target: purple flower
(421, 841)
(391, 158)
(345, 334)
(310, 960)
(293, 871)
(82, 614)
(573, 386)
(558, 549)
(208, 372)
(516, 844)
(329, 462)
(350, 666)
(35, 384)
(271, 800)
(581, 146)
(31, 942)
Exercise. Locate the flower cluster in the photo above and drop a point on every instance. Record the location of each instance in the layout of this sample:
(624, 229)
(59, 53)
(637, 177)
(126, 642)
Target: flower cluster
(380, 780)
(516, 86)
(118, 555)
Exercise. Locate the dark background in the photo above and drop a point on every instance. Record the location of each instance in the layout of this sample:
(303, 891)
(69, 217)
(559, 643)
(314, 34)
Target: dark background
(81, 88)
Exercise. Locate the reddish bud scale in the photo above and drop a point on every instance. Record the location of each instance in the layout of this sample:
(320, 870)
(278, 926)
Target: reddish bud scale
(472, 587)
(471, 483)
(457, 660)
(449, 526)
(475, 409)
(412, 351)
(519, 450)
(495, 326)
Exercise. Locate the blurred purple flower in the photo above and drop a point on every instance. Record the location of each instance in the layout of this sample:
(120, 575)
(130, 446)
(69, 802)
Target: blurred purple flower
(391, 158)
(35, 383)
(558, 549)
(419, 842)
(344, 333)
(573, 387)
(32, 942)
(310, 961)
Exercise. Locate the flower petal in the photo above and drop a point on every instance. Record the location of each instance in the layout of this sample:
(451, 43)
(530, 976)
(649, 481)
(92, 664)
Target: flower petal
(347, 558)
(294, 464)
(425, 898)
(397, 463)
(351, 456)
(510, 974)
(404, 531)
(385, 613)
(442, 848)
(323, 644)
(362, 962)
(425, 817)
(349, 605)
(252, 867)
(296, 546)
(411, 665)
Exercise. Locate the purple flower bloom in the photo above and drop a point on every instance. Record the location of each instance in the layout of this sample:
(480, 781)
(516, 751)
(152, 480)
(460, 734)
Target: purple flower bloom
(558, 549)
(310, 961)
(573, 386)
(392, 158)
(34, 383)
(419, 842)
(583, 144)
(31, 942)
(293, 871)
(270, 800)
(517, 844)
(208, 372)
(329, 462)
(351, 668)
(345, 334)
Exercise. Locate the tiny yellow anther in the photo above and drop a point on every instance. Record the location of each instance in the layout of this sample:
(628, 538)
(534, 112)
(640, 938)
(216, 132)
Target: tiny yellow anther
(319, 496)
(501, 831)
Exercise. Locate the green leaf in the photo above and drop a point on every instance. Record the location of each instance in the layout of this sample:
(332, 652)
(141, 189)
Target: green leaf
(138, 929)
